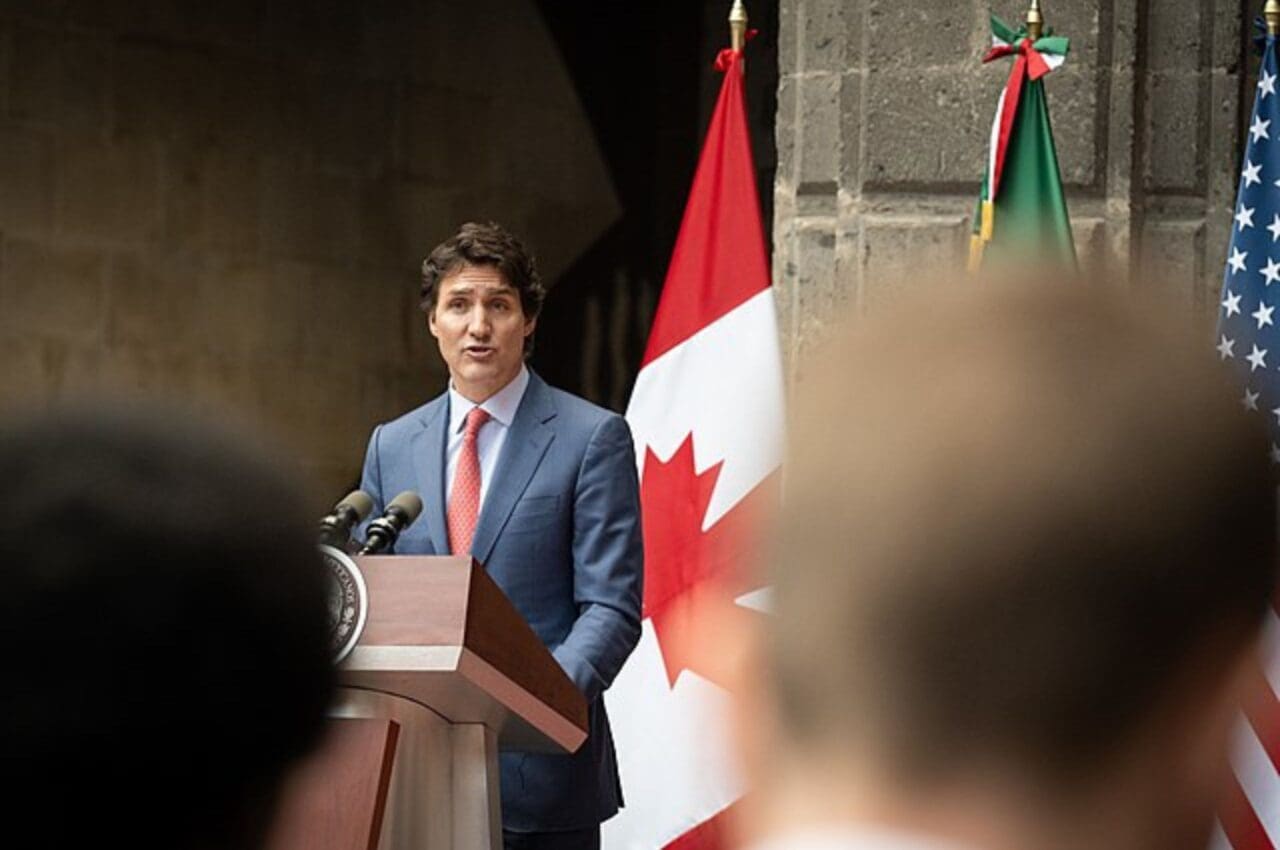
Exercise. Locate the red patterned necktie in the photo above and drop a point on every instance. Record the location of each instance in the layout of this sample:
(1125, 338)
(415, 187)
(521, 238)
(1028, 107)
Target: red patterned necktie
(464, 498)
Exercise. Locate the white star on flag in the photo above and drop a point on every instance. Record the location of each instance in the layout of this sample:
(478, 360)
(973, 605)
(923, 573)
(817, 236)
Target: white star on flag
(1244, 218)
(1263, 315)
(1272, 271)
(1274, 227)
(1276, 413)
(1250, 400)
(1227, 348)
(1257, 360)
(1237, 260)
(1251, 172)
(1266, 85)
(1259, 128)
(1231, 304)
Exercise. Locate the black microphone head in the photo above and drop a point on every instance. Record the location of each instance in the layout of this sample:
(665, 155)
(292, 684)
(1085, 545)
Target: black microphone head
(407, 503)
(358, 502)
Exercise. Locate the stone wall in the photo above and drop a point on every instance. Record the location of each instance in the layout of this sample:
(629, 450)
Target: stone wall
(226, 203)
(884, 111)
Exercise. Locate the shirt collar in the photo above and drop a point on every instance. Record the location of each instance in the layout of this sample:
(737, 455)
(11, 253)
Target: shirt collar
(501, 406)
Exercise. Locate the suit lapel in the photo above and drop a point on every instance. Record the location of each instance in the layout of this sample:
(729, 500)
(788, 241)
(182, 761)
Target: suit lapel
(428, 459)
(522, 452)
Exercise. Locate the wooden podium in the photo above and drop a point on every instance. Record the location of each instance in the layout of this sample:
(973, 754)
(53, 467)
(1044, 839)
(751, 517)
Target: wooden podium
(445, 671)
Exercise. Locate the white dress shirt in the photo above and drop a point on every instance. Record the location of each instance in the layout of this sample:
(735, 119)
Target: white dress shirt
(501, 407)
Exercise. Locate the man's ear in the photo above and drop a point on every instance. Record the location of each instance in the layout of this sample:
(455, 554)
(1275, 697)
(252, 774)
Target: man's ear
(431, 322)
(529, 325)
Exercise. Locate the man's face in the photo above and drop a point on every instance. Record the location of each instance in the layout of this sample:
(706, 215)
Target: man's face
(481, 328)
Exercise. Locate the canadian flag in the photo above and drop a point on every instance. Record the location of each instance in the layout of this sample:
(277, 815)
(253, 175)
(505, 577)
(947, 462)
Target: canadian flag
(707, 416)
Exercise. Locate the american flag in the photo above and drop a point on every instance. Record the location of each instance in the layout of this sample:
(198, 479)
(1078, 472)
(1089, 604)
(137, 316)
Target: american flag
(1249, 338)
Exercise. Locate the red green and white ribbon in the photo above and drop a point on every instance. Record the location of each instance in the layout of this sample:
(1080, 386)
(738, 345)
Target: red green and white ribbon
(1032, 60)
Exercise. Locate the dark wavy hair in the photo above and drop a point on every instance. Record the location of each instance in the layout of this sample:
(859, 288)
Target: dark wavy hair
(485, 244)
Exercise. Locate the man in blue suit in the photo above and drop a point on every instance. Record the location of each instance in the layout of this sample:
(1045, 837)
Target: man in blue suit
(538, 485)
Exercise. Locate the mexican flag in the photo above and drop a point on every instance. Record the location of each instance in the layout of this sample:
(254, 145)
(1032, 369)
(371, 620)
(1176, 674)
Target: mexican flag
(1022, 211)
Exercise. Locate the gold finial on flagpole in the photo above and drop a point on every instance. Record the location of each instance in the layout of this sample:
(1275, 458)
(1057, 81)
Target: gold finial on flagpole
(1271, 13)
(1035, 20)
(737, 25)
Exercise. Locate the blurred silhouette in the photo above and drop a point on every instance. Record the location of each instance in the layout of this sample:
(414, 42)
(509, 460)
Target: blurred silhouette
(1028, 542)
(164, 624)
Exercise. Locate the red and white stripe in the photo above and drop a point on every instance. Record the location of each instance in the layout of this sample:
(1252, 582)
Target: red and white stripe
(1250, 819)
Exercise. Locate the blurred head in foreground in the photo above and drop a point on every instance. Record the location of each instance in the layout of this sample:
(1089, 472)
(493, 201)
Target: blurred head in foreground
(1028, 541)
(163, 617)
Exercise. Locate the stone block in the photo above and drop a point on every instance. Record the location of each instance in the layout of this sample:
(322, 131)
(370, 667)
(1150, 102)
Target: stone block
(926, 127)
(228, 23)
(259, 105)
(59, 77)
(51, 291)
(1227, 25)
(33, 90)
(249, 311)
(154, 303)
(28, 11)
(1172, 260)
(164, 92)
(1176, 133)
(830, 34)
(1092, 253)
(26, 181)
(491, 49)
(108, 192)
(913, 36)
(389, 39)
(350, 122)
(1072, 94)
(232, 200)
(903, 254)
(228, 389)
(332, 32)
(815, 290)
(443, 135)
(24, 380)
(788, 38)
(818, 132)
(850, 178)
(182, 192)
(307, 215)
(1082, 22)
(1176, 35)
(384, 236)
(786, 129)
(85, 74)
(361, 316)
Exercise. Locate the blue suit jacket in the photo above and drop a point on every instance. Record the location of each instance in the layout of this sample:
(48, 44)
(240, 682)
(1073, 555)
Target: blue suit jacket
(559, 531)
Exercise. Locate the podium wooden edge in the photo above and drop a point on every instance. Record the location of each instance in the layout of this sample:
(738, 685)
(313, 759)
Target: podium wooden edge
(479, 673)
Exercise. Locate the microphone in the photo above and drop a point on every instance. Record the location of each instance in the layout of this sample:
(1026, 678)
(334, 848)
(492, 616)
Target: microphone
(398, 516)
(335, 529)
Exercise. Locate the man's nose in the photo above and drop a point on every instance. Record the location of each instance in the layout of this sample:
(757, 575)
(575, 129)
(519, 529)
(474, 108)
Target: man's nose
(479, 324)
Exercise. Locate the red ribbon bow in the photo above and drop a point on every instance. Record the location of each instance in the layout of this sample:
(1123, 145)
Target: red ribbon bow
(1029, 63)
(725, 58)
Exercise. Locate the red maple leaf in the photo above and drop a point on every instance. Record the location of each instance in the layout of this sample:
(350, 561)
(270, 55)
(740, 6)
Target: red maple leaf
(692, 576)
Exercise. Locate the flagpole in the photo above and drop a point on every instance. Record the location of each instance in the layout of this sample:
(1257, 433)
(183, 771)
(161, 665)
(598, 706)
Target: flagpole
(1271, 12)
(1035, 20)
(738, 25)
